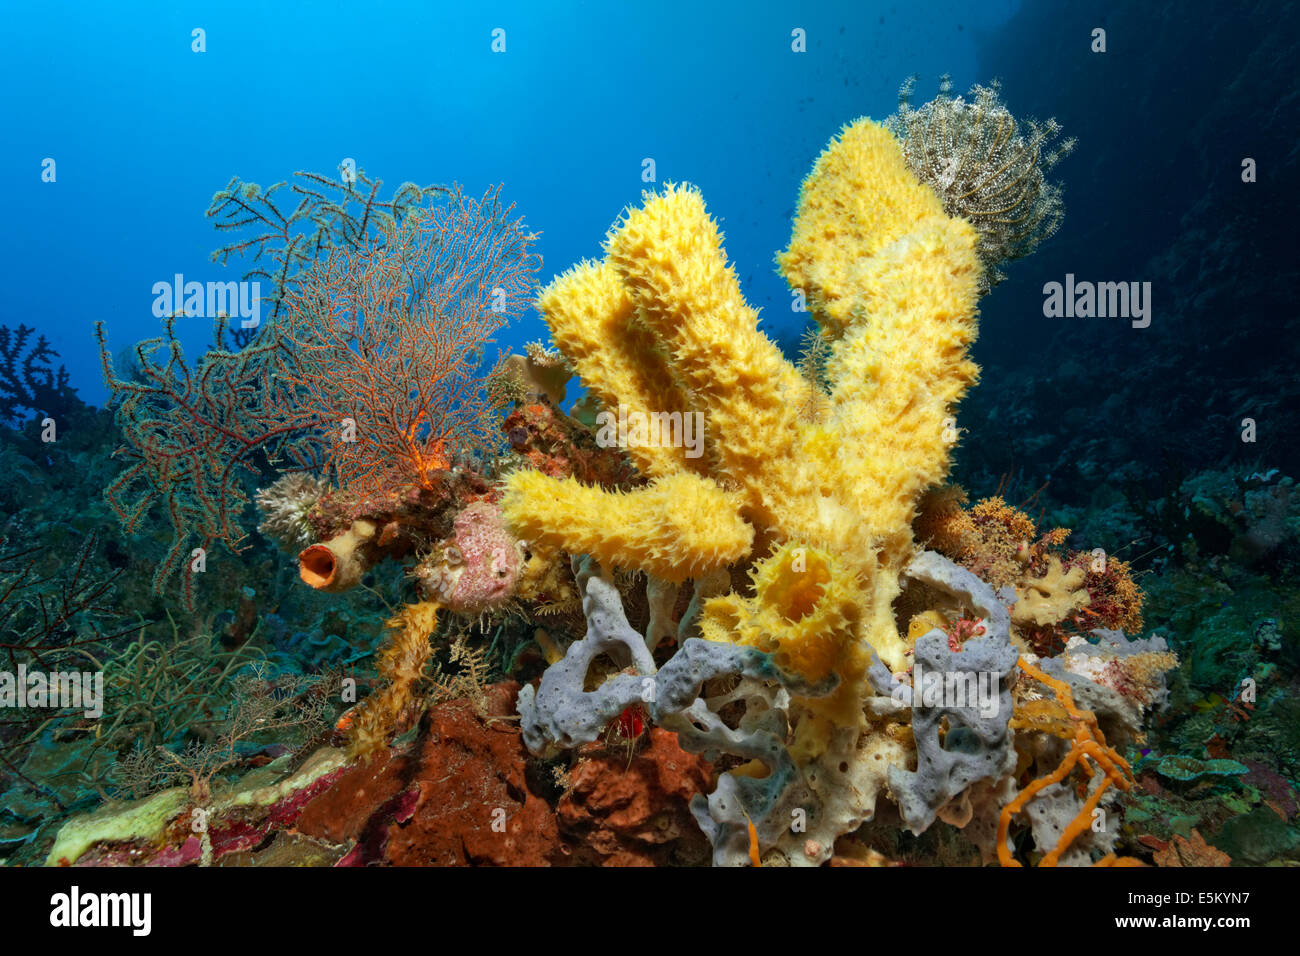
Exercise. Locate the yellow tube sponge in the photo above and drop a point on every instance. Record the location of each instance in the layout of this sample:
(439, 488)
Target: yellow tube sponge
(859, 199)
(670, 256)
(895, 282)
(342, 561)
(593, 321)
(898, 377)
(677, 527)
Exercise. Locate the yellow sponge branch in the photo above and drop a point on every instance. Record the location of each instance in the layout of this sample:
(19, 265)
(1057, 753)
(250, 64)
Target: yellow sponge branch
(859, 199)
(593, 321)
(677, 527)
(669, 254)
(898, 377)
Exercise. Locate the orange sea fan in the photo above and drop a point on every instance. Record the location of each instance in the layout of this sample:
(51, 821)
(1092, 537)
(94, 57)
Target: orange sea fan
(389, 339)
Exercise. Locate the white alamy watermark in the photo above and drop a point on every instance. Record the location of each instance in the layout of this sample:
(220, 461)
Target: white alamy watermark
(129, 910)
(209, 300)
(1102, 300)
(951, 690)
(632, 429)
(55, 690)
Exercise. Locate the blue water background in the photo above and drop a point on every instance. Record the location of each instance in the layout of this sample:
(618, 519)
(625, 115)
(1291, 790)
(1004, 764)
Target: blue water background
(144, 131)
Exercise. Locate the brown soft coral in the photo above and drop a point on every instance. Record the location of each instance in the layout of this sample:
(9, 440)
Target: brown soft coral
(1194, 852)
(1060, 592)
(943, 524)
(459, 794)
(1115, 600)
(991, 538)
(621, 813)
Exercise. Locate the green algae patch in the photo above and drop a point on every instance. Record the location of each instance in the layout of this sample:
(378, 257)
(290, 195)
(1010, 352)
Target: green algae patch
(145, 819)
(259, 789)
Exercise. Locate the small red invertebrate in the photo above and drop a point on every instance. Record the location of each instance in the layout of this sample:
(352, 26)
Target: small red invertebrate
(626, 730)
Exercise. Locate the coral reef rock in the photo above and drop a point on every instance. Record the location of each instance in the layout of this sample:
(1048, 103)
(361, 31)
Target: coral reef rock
(637, 813)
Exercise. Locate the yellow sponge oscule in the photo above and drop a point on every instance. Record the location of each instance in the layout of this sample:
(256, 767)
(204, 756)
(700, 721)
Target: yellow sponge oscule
(806, 611)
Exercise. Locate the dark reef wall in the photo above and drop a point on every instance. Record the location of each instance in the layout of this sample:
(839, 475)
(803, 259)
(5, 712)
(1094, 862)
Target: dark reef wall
(1154, 193)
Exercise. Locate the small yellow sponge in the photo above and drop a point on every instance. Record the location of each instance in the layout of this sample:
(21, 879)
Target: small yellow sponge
(677, 527)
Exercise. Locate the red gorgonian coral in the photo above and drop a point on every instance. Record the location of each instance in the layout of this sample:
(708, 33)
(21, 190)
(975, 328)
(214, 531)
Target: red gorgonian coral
(370, 371)
(389, 340)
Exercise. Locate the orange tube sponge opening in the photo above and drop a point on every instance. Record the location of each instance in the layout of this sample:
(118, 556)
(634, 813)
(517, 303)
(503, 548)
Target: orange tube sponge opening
(316, 566)
(340, 562)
